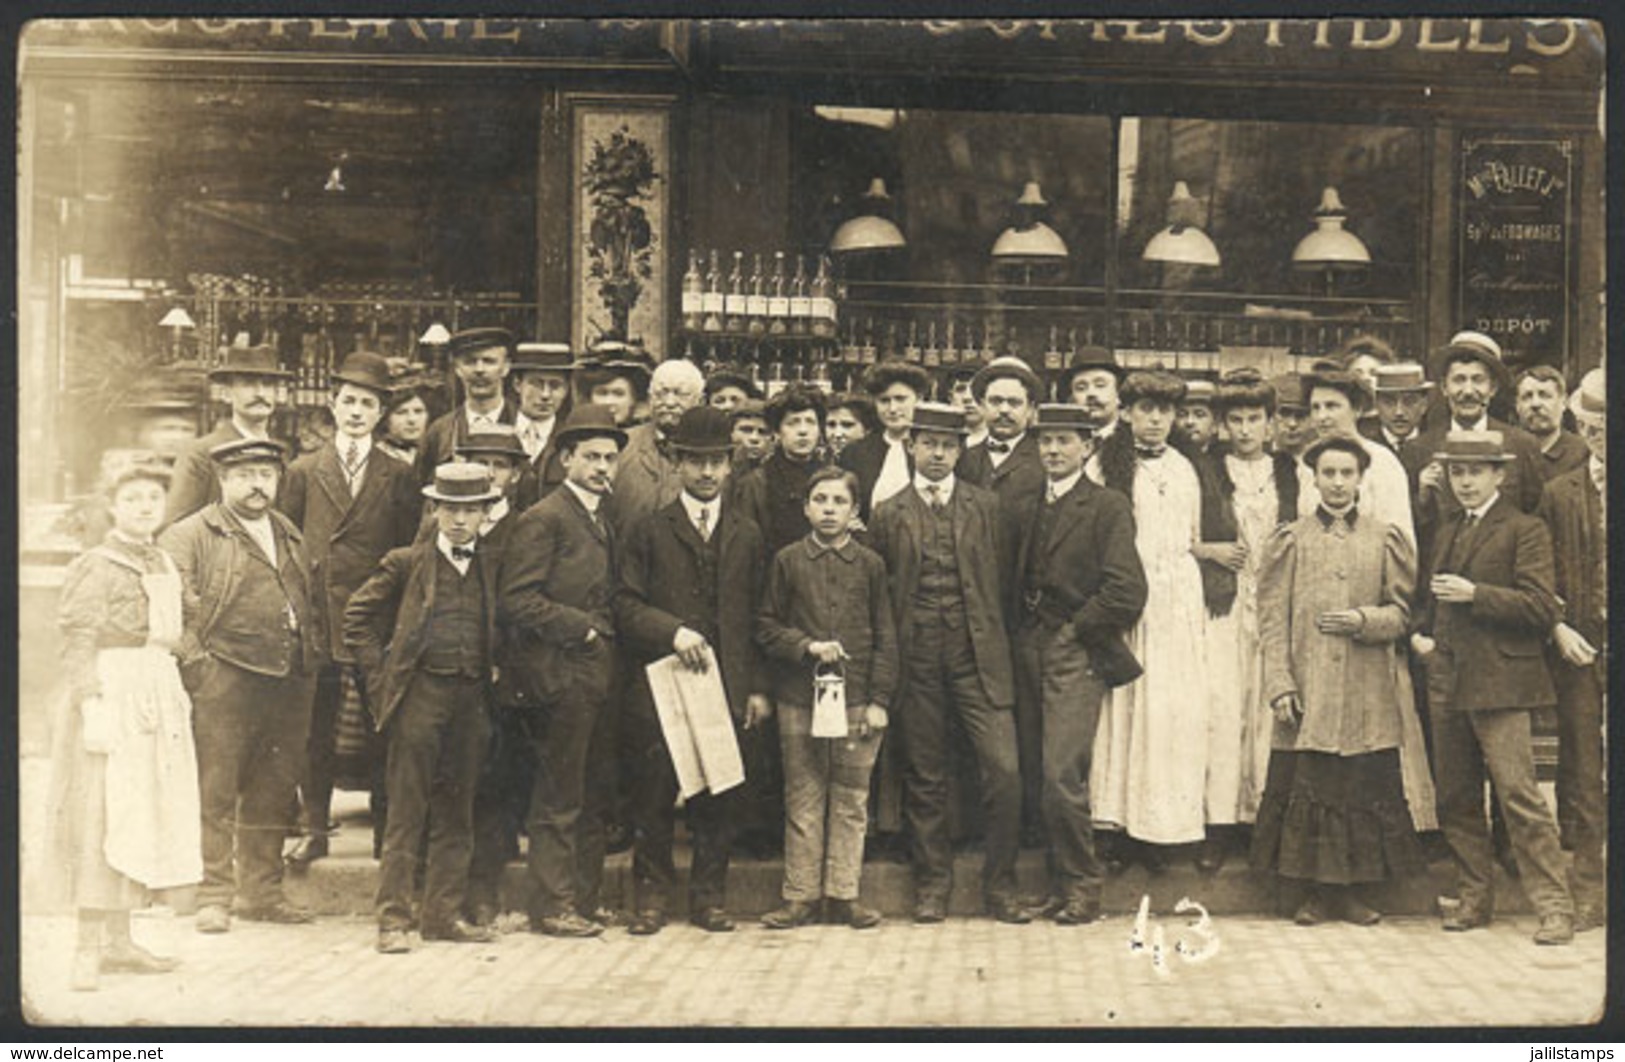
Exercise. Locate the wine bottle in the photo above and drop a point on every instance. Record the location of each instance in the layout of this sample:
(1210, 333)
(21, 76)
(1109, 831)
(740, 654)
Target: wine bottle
(824, 317)
(1053, 361)
(711, 302)
(778, 299)
(693, 294)
(911, 352)
(933, 353)
(950, 353)
(756, 298)
(800, 301)
(734, 304)
(869, 353)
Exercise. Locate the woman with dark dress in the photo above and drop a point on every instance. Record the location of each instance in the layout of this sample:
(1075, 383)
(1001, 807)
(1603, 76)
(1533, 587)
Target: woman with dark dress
(124, 810)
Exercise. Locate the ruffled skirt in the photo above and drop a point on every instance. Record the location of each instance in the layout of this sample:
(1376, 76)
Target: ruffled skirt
(1336, 820)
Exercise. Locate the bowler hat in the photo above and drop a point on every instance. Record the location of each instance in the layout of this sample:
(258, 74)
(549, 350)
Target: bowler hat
(1008, 367)
(498, 439)
(472, 340)
(703, 430)
(1590, 400)
(543, 357)
(1475, 346)
(1064, 416)
(939, 417)
(1085, 359)
(1473, 445)
(366, 370)
(1402, 377)
(461, 481)
(590, 421)
(249, 361)
(247, 450)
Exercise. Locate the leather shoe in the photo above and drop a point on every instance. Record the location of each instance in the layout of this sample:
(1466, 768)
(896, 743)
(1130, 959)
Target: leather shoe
(1464, 918)
(483, 914)
(604, 916)
(281, 912)
(929, 910)
(1008, 911)
(1589, 916)
(1311, 912)
(570, 924)
(1077, 912)
(647, 923)
(1358, 912)
(212, 918)
(393, 942)
(851, 913)
(310, 847)
(1555, 929)
(792, 915)
(133, 958)
(712, 920)
(1210, 856)
(617, 838)
(459, 931)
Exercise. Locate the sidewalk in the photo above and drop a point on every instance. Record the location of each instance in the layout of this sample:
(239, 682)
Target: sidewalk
(1405, 972)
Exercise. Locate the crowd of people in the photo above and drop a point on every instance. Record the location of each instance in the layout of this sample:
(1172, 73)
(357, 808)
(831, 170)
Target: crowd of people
(1303, 619)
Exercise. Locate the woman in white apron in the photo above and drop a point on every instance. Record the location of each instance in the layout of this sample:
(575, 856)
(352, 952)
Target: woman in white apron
(124, 812)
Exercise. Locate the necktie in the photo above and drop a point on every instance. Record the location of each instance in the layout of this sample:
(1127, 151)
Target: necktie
(933, 497)
(352, 457)
(1050, 493)
(463, 553)
(994, 446)
(703, 523)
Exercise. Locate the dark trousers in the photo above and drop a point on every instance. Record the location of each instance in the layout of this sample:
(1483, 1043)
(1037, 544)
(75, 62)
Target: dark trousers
(1053, 670)
(316, 782)
(561, 736)
(437, 738)
(250, 732)
(943, 678)
(1582, 809)
(501, 797)
(1029, 724)
(1473, 745)
(653, 816)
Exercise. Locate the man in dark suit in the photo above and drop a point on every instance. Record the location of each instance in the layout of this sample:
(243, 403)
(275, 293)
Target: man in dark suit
(1400, 393)
(690, 579)
(354, 503)
(1487, 608)
(423, 630)
(1082, 587)
(646, 478)
(542, 374)
(941, 540)
(1540, 396)
(250, 377)
(1575, 508)
(881, 461)
(481, 357)
(554, 608)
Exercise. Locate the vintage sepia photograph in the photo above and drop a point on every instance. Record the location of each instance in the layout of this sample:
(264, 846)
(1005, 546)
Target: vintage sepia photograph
(938, 523)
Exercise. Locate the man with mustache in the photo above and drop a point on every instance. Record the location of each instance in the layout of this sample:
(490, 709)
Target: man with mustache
(482, 359)
(1400, 393)
(246, 656)
(646, 477)
(251, 378)
(1540, 398)
(542, 374)
(1091, 380)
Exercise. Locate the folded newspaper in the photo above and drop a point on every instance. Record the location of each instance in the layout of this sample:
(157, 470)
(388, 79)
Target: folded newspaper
(693, 710)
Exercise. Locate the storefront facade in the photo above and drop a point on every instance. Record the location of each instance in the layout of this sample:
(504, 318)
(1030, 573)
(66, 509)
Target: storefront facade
(328, 184)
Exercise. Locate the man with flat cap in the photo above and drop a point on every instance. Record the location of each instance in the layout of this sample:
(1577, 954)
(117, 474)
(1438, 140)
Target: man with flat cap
(251, 378)
(247, 656)
(727, 386)
(542, 373)
(482, 360)
(553, 604)
(353, 503)
(881, 461)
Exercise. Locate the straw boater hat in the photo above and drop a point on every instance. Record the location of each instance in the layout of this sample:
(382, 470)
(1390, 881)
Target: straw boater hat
(461, 481)
(543, 357)
(1478, 347)
(1589, 402)
(1402, 377)
(249, 361)
(500, 439)
(590, 422)
(368, 371)
(248, 451)
(939, 417)
(1008, 367)
(1064, 416)
(1487, 446)
(473, 340)
(703, 430)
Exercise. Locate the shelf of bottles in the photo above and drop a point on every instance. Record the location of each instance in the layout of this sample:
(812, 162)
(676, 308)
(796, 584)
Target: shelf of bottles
(776, 321)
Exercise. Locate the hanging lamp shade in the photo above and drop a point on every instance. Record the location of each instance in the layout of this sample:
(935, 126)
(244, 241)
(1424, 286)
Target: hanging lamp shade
(1329, 246)
(177, 318)
(872, 229)
(435, 334)
(1030, 239)
(1182, 242)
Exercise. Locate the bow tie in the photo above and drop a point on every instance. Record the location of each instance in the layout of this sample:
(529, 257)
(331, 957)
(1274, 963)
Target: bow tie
(994, 446)
(1149, 451)
(462, 553)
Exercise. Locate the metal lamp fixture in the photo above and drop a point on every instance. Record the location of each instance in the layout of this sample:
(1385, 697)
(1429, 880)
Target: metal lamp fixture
(1029, 239)
(1330, 247)
(177, 320)
(435, 335)
(872, 229)
(1182, 242)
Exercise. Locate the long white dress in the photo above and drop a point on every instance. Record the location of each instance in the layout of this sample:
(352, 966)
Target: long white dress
(1257, 510)
(1150, 753)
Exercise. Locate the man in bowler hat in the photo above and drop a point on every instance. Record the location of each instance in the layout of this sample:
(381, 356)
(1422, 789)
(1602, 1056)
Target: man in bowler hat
(251, 378)
(482, 359)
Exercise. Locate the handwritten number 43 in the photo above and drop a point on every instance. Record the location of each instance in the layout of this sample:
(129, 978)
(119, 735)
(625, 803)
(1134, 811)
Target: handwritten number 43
(1147, 939)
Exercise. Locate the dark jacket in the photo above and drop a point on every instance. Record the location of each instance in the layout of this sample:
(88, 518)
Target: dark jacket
(817, 594)
(1089, 575)
(1219, 516)
(979, 532)
(212, 553)
(386, 624)
(1017, 481)
(1431, 508)
(1572, 510)
(445, 432)
(865, 458)
(646, 481)
(192, 483)
(345, 537)
(659, 590)
(1497, 639)
(1568, 453)
(774, 496)
(557, 582)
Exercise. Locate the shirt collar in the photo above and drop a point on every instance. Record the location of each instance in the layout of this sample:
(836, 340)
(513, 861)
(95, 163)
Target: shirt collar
(1482, 424)
(588, 499)
(443, 544)
(473, 419)
(1012, 442)
(1396, 440)
(1478, 513)
(945, 487)
(693, 506)
(846, 549)
(245, 431)
(342, 442)
(1329, 516)
(1060, 488)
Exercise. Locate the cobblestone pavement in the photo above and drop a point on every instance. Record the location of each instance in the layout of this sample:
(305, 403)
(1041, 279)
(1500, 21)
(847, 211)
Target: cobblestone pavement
(1405, 972)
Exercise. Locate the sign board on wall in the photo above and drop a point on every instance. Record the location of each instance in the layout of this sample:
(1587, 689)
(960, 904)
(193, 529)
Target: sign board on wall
(1515, 221)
